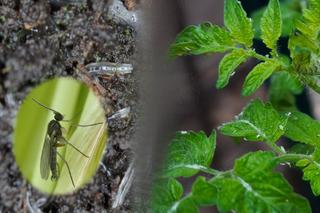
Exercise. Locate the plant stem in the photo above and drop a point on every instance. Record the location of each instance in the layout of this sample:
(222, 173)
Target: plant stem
(253, 53)
(210, 171)
(276, 148)
(294, 158)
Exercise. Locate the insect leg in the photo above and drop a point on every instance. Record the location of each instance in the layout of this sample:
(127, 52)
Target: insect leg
(83, 125)
(76, 115)
(86, 125)
(58, 169)
(67, 168)
(62, 140)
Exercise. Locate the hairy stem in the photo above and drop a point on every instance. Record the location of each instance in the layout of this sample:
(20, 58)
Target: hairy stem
(209, 170)
(253, 54)
(294, 158)
(276, 148)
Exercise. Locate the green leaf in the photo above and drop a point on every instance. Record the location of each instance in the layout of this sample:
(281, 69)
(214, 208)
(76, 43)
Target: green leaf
(308, 27)
(307, 67)
(271, 24)
(310, 30)
(203, 193)
(307, 63)
(311, 81)
(297, 43)
(289, 14)
(187, 205)
(166, 197)
(310, 24)
(282, 89)
(237, 22)
(300, 148)
(257, 122)
(311, 171)
(255, 163)
(228, 64)
(205, 38)
(165, 194)
(254, 187)
(302, 128)
(257, 76)
(188, 153)
(307, 37)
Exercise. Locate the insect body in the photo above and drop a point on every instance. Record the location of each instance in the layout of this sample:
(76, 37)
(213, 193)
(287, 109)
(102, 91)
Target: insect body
(53, 134)
(54, 139)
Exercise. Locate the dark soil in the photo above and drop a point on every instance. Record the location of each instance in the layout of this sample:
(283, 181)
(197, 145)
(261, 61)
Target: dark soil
(40, 40)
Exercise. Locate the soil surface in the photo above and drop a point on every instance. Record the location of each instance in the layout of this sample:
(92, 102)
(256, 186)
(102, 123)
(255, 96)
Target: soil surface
(40, 40)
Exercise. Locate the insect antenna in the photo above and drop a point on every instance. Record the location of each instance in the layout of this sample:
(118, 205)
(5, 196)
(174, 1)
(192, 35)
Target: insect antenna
(56, 112)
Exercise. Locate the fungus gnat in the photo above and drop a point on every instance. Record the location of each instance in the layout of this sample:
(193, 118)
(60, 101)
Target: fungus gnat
(54, 139)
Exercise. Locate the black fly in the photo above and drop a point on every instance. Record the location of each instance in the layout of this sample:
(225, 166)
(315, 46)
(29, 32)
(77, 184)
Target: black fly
(53, 140)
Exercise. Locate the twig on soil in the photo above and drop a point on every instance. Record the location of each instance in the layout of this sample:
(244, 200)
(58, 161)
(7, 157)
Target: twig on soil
(60, 3)
(130, 4)
(94, 84)
(119, 13)
(34, 208)
(119, 119)
(91, 81)
(124, 187)
(121, 114)
(104, 168)
(108, 68)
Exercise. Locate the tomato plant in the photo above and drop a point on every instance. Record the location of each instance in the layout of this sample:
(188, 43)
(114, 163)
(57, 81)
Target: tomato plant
(253, 184)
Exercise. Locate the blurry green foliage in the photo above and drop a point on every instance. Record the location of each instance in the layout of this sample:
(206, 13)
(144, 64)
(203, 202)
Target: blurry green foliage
(253, 184)
(291, 12)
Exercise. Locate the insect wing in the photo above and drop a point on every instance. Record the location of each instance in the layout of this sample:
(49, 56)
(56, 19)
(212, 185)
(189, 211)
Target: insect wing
(45, 158)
